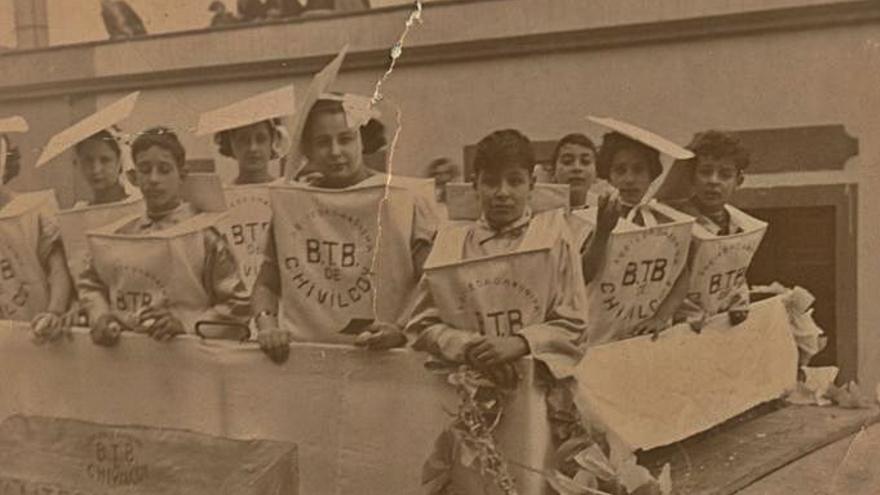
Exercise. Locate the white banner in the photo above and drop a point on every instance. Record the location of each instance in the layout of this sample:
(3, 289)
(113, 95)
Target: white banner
(245, 226)
(363, 422)
(75, 222)
(24, 290)
(336, 263)
(654, 393)
(641, 265)
(720, 263)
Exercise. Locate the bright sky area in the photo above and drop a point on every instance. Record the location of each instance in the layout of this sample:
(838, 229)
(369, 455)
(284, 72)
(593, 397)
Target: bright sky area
(76, 21)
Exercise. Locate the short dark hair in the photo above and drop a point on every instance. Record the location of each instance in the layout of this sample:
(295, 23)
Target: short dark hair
(613, 142)
(103, 136)
(720, 144)
(223, 139)
(372, 133)
(162, 137)
(502, 149)
(574, 138)
(13, 162)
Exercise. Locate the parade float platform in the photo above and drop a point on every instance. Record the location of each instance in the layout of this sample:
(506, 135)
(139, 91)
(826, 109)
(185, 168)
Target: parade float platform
(365, 422)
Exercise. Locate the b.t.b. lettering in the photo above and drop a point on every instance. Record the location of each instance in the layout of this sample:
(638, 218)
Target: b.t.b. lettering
(500, 323)
(330, 253)
(653, 270)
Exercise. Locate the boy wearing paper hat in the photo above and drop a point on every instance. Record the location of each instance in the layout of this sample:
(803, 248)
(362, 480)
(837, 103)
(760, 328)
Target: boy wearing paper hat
(208, 288)
(36, 284)
(101, 152)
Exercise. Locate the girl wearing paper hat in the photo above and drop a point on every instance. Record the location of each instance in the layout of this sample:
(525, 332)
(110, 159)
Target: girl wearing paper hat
(630, 159)
(346, 248)
(101, 152)
(34, 283)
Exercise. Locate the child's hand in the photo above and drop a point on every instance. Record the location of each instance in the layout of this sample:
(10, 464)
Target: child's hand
(653, 325)
(380, 336)
(275, 343)
(492, 351)
(608, 214)
(106, 330)
(160, 324)
(49, 327)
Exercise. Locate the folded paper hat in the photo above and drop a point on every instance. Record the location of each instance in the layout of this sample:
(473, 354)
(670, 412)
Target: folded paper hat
(277, 103)
(318, 87)
(650, 139)
(103, 119)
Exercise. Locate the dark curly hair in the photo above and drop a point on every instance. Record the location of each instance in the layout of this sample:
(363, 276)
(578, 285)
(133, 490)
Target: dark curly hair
(613, 142)
(223, 139)
(372, 133)
(575, 138)
(13, 162)
(104, 136)
(502, 149)
(164, 138)
(720, 144)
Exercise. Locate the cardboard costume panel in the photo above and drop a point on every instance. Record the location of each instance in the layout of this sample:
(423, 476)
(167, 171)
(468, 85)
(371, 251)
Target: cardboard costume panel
(155, 269)
(654, 393)
(720, 263)
(75, 222)
(24, 289)
(641, 265)
(336, 262)
(463, 203)
(245, 226)
(495, 295)
(55, 456)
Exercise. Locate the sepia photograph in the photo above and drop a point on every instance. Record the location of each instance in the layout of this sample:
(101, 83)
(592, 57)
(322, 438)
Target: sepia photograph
(439, 247)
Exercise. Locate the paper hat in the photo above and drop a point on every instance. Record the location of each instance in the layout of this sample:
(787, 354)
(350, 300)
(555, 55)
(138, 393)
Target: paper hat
(102, 119)
(9, 125)
(13, 124)
(650, 139)
(273, 104)
(319, 85)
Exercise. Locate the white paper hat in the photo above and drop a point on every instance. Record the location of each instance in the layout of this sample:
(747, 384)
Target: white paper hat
(319, 85)
(650, 139)
(103, 119)
(272, 104)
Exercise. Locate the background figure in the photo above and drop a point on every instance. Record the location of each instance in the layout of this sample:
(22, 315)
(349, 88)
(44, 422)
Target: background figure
(252, 10)
(283, 9)
(121, 20)
(222, 17)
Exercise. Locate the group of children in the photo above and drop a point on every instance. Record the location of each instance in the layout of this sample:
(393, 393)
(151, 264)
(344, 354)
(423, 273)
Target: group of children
(347, 254)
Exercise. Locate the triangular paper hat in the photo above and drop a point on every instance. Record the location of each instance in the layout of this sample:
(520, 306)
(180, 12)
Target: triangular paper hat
(647, 138)
(319, 85)
(8, 125)
(272, 104)
(102, 119)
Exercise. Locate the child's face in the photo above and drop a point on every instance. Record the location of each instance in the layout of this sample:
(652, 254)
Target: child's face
(504, 194)
(335, 149)
(576, 166)
(630, 173)
(158, 177)
(252, 146)
(715, 180)
(98, 164)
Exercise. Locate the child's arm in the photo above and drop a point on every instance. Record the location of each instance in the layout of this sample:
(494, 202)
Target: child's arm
(222, 282)
(430, 334)
(597, 246)
(265, 297)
